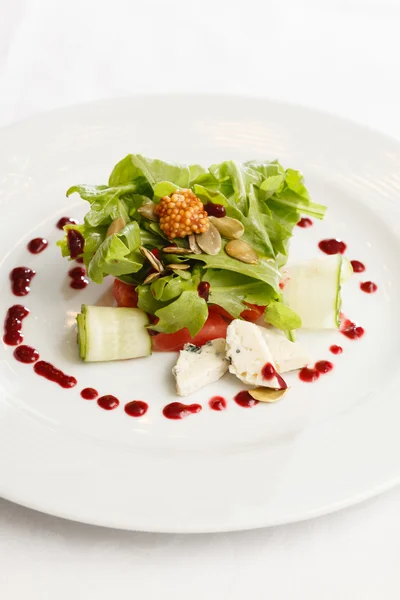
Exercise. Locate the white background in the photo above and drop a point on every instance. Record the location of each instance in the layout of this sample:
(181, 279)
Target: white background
(339, 56)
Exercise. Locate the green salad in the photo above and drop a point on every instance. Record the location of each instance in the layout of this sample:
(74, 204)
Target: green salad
(233, 231)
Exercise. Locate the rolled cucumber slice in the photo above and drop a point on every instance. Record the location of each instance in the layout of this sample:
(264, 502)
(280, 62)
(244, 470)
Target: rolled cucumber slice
(313, 290)
(110, 333)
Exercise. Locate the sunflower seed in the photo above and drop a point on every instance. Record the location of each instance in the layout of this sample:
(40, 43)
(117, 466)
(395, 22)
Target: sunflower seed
(241, 251)
(195, 248)
(178, 267)
(175, 250)
(155, 263)
(116, 226)
(264, 394)
(210, 241)
(228, 227)
(151, 277)
(147, 211)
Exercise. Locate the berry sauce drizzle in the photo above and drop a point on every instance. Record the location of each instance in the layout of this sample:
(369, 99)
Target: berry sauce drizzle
(89, 394)
(178, 410)
(65, 221)
(13, 325)
(304, 223)
(369, 287)
(335, 349)
(323, 366)
(269, 372)
(217, 403)
(245, 400)
(108, 402)
(47, 370)
(136, 408)
(76, 242)
(308, 375)
(203, 290)
(21, 278)
(26, 354)
(332, 246)
(350, 329)
(358, 267)
(37, 245)
(78, 278)
(215, 210)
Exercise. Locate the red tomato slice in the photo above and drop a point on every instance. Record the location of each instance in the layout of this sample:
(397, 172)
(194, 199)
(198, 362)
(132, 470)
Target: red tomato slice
(125, 294)
(253, 313)
(214, 327)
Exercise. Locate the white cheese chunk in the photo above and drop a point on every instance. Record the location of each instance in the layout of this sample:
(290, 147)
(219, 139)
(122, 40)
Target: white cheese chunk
(197, 367)
(248, 353)
(288, 356)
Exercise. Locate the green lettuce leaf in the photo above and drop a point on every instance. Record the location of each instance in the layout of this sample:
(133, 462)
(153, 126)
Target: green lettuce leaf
(231, 290)
(117, 255)
(281, 316)
(189, 310)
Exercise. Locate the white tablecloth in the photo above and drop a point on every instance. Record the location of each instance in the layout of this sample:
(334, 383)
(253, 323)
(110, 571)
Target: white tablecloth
(341, 56)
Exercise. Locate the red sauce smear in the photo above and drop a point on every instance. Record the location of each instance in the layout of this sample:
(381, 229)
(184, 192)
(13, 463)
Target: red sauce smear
(269, 372)
(336, 349)
(13, 325)
(332, 246)
(369, 287)
(203, 290)
(136, 408)
(304, 223)
(108, 402)
(177, 410)
(78, 279)
(215, 210)
(65, 221)
(358, 266)
(76, 242)
(21, 278)
(308, 375)
(217, 403)
(245, 400)
(351, 329)
(37, 245)
(89, 394)
(26, 354)
(47, 370)
(323, 366)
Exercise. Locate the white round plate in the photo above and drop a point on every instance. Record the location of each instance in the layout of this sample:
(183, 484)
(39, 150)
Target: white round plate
(324, 446)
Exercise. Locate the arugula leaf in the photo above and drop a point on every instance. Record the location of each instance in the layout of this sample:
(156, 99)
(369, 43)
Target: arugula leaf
(281, 316)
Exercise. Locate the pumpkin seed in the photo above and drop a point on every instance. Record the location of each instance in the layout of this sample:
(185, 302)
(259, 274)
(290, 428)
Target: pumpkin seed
(195, 248)
(147, 211)
(242, 251)
(228, 227)
(264, 394)
(178, 267)
(175, 250)
(151, 277)
(210, 241)
(155, 263)
(116, 226)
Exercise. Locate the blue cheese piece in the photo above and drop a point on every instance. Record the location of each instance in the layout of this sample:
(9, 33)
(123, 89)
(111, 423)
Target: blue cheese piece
(248, 352)
(197, 367)
(288, 356)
